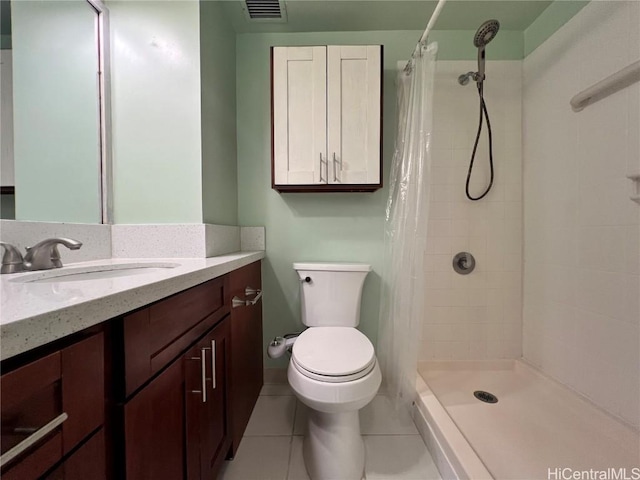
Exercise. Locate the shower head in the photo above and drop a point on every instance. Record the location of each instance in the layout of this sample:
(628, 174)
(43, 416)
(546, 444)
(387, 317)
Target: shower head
(487, 32)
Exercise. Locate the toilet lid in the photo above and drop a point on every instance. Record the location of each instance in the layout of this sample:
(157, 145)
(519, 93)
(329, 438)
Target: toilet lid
(333, 351)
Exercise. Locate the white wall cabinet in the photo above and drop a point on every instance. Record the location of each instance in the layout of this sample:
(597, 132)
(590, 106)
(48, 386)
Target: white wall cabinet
(326, 118)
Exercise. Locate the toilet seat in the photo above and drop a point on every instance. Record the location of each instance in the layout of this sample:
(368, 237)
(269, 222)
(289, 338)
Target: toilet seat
(333, 354)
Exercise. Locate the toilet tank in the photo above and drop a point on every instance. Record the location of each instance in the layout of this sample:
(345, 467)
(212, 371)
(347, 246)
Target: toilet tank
(331, 297)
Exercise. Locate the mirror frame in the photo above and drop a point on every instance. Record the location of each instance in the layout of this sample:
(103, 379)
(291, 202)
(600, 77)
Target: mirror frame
(104, 91)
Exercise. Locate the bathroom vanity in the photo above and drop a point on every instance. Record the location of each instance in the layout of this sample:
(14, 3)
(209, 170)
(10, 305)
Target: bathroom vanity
(161, 390)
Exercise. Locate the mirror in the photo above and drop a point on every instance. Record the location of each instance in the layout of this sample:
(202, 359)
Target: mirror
(55, 144)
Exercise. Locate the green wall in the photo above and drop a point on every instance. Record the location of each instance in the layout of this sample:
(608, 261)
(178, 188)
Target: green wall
(155, 97)
(316, 227)
(218, 98)
(55, 112)
(458, 45)
(549, 21)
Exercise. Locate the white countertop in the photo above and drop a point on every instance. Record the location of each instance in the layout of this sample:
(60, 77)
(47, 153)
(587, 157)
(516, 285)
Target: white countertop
(33, 314)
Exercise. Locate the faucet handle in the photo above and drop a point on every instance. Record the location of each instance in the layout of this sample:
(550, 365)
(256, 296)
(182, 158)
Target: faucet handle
(12, 260)
(45, 254)
(55, 257)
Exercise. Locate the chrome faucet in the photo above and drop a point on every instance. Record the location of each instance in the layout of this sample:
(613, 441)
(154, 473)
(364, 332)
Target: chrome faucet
(42, 256)
(12, 261)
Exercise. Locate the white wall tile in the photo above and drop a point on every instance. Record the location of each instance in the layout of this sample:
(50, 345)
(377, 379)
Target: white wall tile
(582, 245)
(459, 306)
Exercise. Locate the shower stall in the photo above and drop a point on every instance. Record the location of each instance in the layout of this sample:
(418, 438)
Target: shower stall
(547, 326)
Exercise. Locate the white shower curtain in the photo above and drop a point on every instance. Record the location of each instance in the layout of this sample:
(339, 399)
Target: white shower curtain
(402, 308)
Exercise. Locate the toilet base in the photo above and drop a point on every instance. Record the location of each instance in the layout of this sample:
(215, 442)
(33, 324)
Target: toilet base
(333, 447)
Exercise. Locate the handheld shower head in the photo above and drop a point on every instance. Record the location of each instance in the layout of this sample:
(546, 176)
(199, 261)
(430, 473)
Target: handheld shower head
(487, 32)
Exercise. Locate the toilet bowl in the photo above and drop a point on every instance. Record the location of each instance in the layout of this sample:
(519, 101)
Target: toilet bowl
(333, 369)
(333, 448)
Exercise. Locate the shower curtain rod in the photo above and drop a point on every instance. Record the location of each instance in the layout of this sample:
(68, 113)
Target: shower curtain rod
(425, 34)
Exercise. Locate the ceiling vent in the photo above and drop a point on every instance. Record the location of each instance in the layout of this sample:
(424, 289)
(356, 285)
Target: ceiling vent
(265, 11)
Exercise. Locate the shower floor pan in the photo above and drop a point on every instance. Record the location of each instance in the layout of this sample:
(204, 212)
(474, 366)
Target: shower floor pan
(536, 429)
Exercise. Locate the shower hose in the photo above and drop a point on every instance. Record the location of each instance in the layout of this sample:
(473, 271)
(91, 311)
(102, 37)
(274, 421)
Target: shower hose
(483, 114)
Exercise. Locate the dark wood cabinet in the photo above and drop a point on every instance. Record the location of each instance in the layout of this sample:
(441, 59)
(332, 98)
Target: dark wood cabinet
(207, 405)
(88, 462)
(180, 418)
(174, 393)
(153, 428)
(246, 372)
(178, 380)
(56, 400)
(156, 335)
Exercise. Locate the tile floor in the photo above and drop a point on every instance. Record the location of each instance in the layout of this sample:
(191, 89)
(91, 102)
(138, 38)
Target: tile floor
(271, 448)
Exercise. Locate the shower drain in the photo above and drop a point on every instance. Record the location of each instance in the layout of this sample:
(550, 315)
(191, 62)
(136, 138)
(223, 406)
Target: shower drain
(485, 396)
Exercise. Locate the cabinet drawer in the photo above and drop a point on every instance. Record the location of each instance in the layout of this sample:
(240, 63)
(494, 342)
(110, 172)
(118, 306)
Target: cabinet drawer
(155, 336)
(86, 463)
(60, 396)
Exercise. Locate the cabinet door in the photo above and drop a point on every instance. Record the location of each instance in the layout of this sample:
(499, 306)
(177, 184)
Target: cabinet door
(246, 375)
(215, 439)
(154, 428)
(86, 463)
(299, 115)
(354, 114)
(206, 391)
(62, 394)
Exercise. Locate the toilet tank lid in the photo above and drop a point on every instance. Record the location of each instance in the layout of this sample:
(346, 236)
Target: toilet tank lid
(332, 267)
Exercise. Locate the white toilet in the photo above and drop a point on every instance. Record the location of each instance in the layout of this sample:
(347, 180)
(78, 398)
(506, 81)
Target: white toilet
(333, 368)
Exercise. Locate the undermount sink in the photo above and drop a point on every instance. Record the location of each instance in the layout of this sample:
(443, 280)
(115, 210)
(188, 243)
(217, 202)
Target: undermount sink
(94, 272)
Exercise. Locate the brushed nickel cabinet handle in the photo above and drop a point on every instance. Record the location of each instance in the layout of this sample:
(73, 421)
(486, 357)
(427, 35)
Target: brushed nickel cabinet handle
(203, 373)
(213, 364)
(203, 352)
(322, 180)
(253, 291)
(238, 302)
(32, 439)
